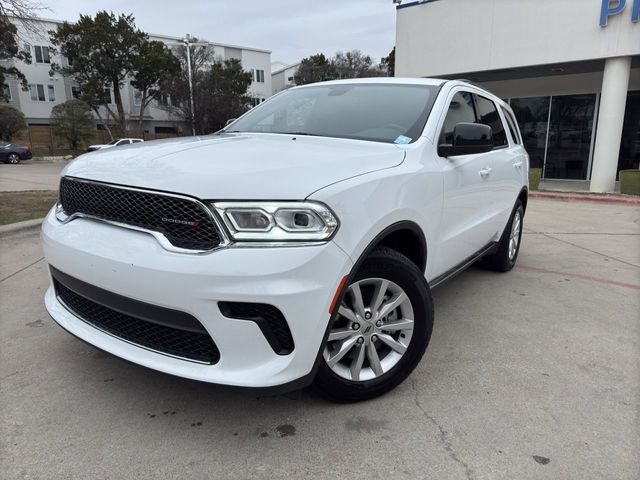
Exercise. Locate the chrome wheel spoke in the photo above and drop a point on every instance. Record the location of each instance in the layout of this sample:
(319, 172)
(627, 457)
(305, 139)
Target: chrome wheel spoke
(347, 313)
(340, 334)
(402, 324)
(392, 343)
(392, 304)
(356, 295)
(341, 352)
(356, 364)
(374, 360)
(378, 295)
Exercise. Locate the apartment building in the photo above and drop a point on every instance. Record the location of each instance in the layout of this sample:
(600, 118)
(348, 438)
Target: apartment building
(47, 89)
(282, 76)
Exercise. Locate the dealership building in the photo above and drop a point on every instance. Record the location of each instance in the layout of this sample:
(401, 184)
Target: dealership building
(569, 68)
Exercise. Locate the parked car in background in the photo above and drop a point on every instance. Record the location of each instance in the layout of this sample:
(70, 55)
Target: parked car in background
(118, 142)
(299, 244)
(13, 152)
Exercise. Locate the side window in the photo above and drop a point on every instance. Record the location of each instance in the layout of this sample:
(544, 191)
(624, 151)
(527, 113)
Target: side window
(512, 126)
(488, 115)
(122, 142)
(461, 109)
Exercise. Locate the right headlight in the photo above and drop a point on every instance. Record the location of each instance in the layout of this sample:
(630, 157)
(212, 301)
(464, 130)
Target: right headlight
(278, 221)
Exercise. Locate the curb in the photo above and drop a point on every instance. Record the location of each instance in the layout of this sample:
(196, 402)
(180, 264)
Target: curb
(20, 227)
(587, 197)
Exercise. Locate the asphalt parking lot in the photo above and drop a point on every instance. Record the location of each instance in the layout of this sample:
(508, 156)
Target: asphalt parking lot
(533, 374)
(30, 175)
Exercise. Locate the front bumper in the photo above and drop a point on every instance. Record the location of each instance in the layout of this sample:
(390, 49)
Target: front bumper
(299, 281)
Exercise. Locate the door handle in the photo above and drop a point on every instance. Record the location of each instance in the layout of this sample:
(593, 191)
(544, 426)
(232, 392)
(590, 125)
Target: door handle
(485, 172)
(517, 164)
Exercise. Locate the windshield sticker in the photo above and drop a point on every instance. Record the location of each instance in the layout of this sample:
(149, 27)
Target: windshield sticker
(402, 140)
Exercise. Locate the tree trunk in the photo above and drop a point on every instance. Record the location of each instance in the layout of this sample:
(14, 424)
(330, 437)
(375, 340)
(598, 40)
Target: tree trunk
(143, 105)
(122, 118)
(97, 110)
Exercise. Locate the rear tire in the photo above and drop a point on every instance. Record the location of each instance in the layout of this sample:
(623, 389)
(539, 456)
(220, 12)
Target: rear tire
(509, 247)
(384, 336)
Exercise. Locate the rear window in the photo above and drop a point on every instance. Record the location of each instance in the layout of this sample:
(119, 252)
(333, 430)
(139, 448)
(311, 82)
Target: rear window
(488, 115)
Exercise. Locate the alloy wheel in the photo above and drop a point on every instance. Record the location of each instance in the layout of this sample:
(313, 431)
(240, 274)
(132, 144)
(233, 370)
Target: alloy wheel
(372, 330)
(13, 158)
(514, 236)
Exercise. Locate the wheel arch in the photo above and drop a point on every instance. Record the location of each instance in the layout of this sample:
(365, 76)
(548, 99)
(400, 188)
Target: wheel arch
(405, 237)
(523, 196)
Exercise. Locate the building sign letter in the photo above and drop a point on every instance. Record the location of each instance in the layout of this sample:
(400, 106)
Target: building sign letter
(613, 7)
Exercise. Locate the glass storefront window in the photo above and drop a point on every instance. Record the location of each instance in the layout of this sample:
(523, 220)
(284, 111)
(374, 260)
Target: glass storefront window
(570, 132)
(532, 115)
(630, 145)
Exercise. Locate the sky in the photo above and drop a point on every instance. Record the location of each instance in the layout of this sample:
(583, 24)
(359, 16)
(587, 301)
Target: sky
(292, 30)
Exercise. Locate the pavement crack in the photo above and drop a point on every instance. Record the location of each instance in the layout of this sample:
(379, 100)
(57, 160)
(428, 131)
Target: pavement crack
(567, 242)
(444, 435)
(21, 270)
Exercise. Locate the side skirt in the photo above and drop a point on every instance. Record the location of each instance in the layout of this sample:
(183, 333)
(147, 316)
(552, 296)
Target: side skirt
(449, 274)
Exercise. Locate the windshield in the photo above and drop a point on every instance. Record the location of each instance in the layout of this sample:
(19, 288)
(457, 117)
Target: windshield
(389, 113)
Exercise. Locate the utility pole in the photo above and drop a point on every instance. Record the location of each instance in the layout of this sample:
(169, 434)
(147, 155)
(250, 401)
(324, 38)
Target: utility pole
(187, 42)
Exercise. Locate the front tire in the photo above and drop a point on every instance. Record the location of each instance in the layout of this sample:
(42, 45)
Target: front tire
(380, 332)
(13, 158)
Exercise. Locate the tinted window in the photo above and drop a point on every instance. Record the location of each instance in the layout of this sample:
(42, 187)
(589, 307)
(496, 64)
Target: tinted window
(512, 126)
(461, 109)
(488, 115)
(381, 113)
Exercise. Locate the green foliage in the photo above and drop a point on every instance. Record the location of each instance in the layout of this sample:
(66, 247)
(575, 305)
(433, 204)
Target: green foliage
(72, 120)
(316, 68)
(9, 50)
(352, 64)
(155, 67)
(219, 89)
(11, 122)
(104, 51)
(388, 63)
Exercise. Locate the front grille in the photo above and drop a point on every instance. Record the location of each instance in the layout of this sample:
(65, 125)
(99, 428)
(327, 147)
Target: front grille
(272, 323)
(185, 223)
(186, 344)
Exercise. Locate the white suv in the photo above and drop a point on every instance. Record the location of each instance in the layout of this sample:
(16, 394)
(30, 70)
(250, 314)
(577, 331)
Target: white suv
(296, 246)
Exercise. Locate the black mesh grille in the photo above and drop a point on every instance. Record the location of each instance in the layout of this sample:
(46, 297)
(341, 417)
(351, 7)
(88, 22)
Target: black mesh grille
(186, 224)
(270, 320)
(173, 341)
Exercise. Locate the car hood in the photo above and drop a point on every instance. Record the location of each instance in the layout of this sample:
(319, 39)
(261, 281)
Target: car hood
(237, 166)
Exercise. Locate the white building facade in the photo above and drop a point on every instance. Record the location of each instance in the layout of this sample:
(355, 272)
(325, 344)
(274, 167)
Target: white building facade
(570, 70)
(47, 89)
(283, 76)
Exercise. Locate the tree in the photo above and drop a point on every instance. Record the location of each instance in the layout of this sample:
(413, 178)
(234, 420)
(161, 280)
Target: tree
(219, 89)
(11, 122)
(9, 50)
(355, 64)
(224, 94)
(154, 68)
(388, 63)
(177, 88)
(103, 51)
(316, 68)
(73, 120)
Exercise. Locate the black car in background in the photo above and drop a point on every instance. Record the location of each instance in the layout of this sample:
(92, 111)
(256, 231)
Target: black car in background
(13, 153)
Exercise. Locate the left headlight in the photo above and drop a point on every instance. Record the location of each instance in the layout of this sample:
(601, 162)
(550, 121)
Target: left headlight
(278, 221)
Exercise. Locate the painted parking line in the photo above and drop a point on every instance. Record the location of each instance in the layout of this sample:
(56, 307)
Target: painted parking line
(590, 278)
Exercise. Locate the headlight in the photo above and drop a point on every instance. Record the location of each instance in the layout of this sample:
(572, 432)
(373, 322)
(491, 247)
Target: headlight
(277, 221)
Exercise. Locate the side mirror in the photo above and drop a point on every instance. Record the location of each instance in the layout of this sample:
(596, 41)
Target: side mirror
(468, 139)
(231, 120)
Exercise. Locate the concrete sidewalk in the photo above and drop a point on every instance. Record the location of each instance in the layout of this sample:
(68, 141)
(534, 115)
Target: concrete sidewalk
(534, 374)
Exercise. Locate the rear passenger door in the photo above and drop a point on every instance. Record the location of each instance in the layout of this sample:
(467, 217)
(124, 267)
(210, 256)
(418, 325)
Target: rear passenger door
(499, 195)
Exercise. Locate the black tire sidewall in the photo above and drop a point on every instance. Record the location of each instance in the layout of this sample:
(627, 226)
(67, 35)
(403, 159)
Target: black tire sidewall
(392, 266)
